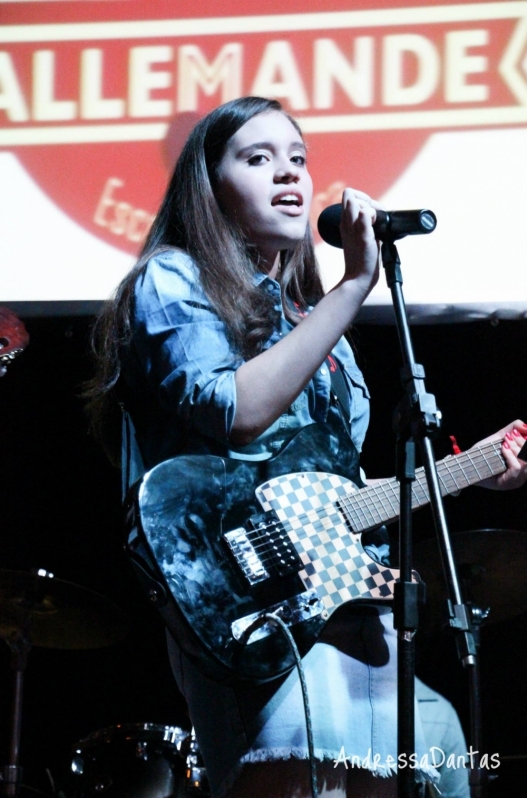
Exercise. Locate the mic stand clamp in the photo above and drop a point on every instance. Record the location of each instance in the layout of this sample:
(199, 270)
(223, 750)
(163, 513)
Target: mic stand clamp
(416, 420)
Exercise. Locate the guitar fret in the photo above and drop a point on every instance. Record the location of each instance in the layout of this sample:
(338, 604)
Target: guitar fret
(362, 502)
(353, 507)
(481, 466)
(460, 471)
(442, 484)
(488, 462)
(446, 466)
(373, 506)
(365, 509)
(474, 466)
(388, 494)
(421, 486)
(377, 513)
(349, 508)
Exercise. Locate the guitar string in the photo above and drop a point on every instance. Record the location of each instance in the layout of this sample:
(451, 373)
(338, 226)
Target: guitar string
(370, 503)
(480, 464)
(420, 492)
(314, 515)
(346, 499)
(356, 497)
(267, 547)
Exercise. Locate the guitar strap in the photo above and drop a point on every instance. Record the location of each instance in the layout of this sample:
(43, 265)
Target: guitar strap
(339, 389)
(144, 566)
(132, 466)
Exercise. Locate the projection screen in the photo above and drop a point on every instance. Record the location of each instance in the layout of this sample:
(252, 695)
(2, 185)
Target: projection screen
(420, 105)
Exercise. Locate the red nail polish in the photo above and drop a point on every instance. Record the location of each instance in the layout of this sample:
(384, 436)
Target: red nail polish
(509, 436)
(515, 431)
(455, 446)
(506, 445)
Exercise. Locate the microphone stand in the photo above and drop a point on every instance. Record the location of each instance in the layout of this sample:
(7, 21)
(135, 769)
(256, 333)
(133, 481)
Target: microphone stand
(416, 420)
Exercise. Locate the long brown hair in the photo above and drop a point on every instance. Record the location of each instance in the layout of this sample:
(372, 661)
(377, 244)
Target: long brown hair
(190, 219)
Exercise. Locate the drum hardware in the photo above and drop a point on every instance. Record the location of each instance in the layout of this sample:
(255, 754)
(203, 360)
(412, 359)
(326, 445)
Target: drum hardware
(38, 610)
(135, 760)
(491, 564)
(141, 751)
(196, 775)
(139, 760)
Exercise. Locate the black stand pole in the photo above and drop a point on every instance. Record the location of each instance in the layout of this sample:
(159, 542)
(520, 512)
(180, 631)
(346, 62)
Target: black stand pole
(478, 776)
(12, 773)
(416, 420)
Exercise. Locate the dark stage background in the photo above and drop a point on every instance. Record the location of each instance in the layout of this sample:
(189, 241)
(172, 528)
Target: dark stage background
(60, 511)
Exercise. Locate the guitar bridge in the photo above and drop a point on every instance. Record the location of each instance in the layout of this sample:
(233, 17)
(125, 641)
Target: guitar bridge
(264, 549)
(246, 556)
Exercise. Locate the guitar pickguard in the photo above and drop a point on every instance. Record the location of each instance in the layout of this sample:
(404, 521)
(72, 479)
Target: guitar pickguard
(335, 563)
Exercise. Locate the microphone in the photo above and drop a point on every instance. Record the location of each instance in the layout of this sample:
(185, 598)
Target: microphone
(389, 225)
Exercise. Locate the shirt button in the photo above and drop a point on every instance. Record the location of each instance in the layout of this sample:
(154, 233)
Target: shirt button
(323, 371)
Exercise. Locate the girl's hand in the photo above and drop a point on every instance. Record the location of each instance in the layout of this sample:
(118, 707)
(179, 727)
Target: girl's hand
(361, 249)
(514, 438)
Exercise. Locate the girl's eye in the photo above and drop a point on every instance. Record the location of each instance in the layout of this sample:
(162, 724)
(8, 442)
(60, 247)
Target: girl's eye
(300, 160)
(256, 160)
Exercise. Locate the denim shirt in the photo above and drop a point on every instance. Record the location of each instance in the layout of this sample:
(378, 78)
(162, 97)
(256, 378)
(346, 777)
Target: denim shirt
(179, 373)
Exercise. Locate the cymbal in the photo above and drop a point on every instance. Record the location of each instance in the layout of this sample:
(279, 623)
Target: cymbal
(53, 613)
(491, 565)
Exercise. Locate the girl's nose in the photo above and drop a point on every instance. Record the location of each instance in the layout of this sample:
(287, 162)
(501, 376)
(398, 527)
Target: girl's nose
(287, 173)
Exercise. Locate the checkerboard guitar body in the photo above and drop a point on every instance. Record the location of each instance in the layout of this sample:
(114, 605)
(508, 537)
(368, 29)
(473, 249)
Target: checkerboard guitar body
(335, 563)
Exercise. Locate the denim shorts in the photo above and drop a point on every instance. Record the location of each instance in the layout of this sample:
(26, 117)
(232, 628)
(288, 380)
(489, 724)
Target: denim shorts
(351, 676)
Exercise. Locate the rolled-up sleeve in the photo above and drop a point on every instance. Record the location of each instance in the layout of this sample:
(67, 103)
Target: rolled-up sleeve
(183, 346)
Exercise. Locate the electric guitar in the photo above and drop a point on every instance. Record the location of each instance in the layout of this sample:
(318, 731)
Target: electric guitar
(218, 542)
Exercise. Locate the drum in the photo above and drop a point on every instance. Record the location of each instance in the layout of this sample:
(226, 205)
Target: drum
(135, 760)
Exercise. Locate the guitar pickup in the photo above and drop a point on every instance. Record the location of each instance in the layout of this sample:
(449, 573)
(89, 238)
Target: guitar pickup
(264, 549)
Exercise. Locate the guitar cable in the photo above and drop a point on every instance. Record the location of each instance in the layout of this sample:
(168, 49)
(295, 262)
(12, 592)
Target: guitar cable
(270, 617)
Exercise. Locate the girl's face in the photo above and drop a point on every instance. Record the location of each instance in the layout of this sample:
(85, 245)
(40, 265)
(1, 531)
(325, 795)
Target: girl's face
(264, 185)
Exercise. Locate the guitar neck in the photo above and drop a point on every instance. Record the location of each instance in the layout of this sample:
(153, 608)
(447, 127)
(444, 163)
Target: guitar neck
(379, 504)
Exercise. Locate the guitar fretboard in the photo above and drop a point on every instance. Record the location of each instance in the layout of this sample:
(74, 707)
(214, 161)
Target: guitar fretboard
(379, 503)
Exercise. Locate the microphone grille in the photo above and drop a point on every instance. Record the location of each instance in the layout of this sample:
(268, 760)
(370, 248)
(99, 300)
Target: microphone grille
(329, 225)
